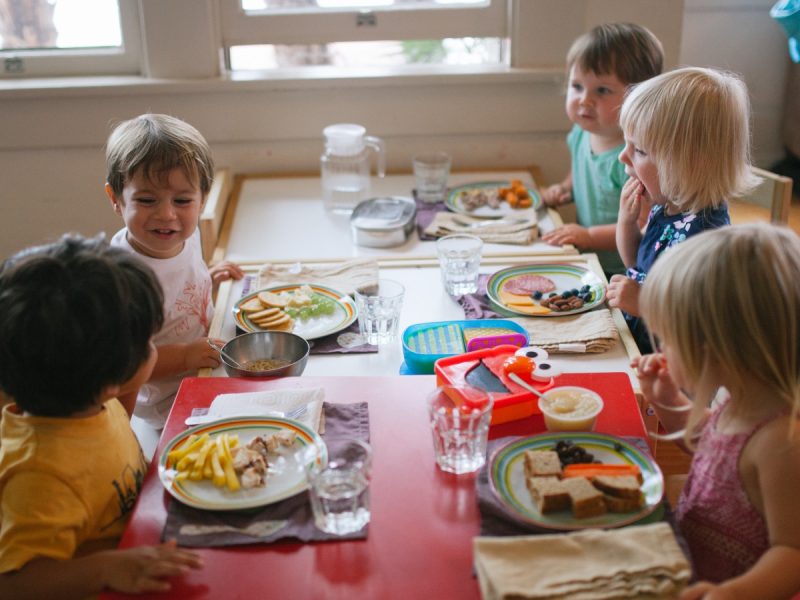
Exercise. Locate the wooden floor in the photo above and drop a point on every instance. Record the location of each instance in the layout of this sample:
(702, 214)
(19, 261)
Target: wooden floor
(672, 459)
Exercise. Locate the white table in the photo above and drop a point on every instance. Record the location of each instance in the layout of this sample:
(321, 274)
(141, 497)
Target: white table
(280, 219)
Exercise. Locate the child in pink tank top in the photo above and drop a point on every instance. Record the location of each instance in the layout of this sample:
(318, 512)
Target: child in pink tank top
(724, 311)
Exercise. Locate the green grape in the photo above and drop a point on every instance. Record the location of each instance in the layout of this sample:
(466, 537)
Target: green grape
(304, 313)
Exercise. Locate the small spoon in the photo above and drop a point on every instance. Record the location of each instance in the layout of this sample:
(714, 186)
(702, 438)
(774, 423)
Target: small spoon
(227, 356)
(518, 380)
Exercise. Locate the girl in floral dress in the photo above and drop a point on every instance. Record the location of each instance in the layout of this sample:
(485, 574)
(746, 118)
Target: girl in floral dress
(687, 147)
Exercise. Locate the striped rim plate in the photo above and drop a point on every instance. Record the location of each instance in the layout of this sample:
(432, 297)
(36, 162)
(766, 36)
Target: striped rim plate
(285, 474)
(565, 276)
(507, 479)
(310, 329)
(454, 203)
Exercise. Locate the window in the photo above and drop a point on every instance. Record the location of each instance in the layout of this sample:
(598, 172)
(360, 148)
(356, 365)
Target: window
(260, 34)
(68, 37)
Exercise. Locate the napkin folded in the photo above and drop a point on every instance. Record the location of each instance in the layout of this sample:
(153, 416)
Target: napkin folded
(343, 277)
(631, 562)
(253, 404)
(499, 232)
(592, 331)
(289, 518)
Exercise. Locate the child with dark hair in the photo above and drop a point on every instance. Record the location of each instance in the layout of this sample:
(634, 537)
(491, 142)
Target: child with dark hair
(76, 322)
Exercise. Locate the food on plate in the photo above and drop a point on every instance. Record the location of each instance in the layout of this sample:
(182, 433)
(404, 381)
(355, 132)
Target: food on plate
(560, 303)
(278, 311)
(516, 195)
(272, 299)
(226, 463)
(266, 364)
(570, 408)
(589, 490)
(253, 305)
(521, 303)
(541, 463)
(528, 284)
(570, 453)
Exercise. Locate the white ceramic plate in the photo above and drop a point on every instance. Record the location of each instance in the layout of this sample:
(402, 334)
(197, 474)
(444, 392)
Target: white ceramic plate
(344, 315)
(507, 478)
(285, 473)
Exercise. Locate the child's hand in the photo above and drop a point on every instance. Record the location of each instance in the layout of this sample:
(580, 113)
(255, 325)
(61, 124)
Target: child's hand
(556, 194)
(632, 202)
(145, 569)
(703, 589)
(569, 234)
(199, 355)
(223, 272)
(657, 384)
(623, 293)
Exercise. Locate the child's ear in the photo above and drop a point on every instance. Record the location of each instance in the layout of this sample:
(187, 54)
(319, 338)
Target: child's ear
(115, 204)
(109, 391)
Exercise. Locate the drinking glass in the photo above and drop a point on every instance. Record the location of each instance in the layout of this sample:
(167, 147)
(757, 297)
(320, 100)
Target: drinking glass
(459, 420)
(379, 307)
(459, 260)
(339, 491)
(431, 171)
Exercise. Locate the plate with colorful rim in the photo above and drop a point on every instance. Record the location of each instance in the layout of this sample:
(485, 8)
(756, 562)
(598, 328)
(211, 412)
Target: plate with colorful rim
(455, 201)
(285, 473)
(563, 276)
(339, 311)
(507, 479)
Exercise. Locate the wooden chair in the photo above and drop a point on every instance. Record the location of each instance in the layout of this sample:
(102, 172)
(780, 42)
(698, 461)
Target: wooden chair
(770, 199)
(214, 212)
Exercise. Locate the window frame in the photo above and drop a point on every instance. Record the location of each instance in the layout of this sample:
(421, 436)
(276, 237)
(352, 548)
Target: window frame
(382, 23)
(58, 62)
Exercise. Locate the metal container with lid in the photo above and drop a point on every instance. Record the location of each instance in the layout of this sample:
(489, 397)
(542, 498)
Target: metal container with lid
(383, 222)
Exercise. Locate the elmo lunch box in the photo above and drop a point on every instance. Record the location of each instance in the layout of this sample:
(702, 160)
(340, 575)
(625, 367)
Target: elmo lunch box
(488, 369)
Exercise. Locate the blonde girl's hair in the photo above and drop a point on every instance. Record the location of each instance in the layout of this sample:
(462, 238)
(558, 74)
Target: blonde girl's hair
(629, 51)
(156, 144)
(728, 302)
(695, 125)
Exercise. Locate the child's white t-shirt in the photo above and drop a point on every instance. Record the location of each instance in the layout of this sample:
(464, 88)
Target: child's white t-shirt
(188, 311)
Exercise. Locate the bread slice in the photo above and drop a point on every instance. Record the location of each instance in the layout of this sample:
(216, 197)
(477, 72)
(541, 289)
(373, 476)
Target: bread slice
(621, 486)
(542, 462)
(587, 500)
(623, 505)
(548, 493)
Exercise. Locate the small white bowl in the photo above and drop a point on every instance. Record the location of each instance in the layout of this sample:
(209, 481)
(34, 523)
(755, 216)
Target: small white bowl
(570, 408)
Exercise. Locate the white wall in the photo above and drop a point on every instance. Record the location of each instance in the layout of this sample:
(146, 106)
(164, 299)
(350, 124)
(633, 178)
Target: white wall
(51, 139)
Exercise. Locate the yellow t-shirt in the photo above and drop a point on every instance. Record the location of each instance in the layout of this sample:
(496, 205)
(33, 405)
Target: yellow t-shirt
(64, 482)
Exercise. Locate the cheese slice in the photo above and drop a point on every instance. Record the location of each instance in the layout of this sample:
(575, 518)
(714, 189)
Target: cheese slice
(520, 303)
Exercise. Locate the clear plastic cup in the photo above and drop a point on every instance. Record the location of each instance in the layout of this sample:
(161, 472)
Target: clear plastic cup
(431, 171)
(459, 420)
(459, 262)
(379, 308)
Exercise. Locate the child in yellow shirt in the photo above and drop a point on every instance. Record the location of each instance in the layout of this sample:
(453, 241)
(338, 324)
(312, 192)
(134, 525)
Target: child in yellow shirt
(76, 321)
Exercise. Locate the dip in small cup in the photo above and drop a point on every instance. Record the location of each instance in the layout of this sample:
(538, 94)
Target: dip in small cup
(570, 408)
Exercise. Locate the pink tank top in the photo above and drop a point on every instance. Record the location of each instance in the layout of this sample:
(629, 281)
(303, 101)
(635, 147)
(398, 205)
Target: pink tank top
(725, 533)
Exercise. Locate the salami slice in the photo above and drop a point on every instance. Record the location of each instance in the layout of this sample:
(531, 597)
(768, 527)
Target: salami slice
(524, 285)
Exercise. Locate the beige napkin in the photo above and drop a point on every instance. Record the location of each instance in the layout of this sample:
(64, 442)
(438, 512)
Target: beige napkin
(252, 404)
(343, 277)
(592, 331)
(642, 561)
(445, 223)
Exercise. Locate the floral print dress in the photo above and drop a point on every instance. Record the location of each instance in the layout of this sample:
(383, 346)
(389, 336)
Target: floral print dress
(664, 231)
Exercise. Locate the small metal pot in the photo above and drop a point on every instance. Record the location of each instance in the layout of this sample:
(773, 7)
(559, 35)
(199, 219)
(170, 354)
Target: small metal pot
(262, 345)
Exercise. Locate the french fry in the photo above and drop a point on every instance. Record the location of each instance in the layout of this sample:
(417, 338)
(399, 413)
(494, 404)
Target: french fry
(231, 479)
(218, 478)
(205, 457)
(193, 443)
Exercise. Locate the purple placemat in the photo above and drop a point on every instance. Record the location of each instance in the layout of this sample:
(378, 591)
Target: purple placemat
(347, 341)
(290, 518)
(477, 305)
(425, 215)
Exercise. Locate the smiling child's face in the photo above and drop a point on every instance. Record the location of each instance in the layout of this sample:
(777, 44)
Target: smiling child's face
(160, 214)
(640, 166)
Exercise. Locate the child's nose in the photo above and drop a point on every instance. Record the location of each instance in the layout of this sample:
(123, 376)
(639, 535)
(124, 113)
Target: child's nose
(165, 210)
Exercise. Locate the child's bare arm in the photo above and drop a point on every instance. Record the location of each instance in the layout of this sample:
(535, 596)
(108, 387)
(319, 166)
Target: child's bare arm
(629, 229)
(174, 359)
(597, 237)
(136, 570)
(661, 391)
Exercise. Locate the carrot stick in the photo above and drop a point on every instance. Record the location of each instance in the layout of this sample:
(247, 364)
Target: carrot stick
(592, 470)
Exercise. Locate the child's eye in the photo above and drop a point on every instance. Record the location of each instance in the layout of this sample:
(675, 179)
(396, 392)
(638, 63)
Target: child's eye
(604, 91)
(576, 86)
(145, 200)
(183, 201)
(639, 151)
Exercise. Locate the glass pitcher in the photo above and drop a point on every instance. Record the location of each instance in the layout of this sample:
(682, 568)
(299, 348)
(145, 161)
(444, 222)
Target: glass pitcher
(345, 167)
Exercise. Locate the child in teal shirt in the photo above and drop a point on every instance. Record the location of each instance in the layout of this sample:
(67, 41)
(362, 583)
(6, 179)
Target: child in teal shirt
(601, 65)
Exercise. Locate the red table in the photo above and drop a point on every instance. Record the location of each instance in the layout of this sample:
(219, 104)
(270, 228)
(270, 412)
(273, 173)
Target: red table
(423, 520)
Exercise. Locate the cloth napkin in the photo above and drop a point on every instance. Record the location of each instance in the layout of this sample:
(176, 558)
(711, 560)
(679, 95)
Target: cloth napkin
(251, 404)
(631, 562)
(289, 518)
(344, 277)
(590, 332)
(446, 223)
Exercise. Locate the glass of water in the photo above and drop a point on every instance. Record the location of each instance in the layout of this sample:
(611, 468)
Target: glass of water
(379, 307)
(339, 490)
(459, 420)
(459, 260)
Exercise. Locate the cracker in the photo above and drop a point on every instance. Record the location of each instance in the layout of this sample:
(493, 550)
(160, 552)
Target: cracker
(268, 313)
(273, 321)
(251, 306)
(272, 299)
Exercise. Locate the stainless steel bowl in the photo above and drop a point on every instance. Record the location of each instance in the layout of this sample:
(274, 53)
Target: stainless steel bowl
(261, 345)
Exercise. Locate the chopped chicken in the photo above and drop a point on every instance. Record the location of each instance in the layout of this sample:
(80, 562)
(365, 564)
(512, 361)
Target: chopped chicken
(251, 467)
(252, 477)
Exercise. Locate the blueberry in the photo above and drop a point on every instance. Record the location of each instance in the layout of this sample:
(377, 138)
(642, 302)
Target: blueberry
(566, 294)
(552, 294)
(586, 288)
(574, 291)
(537, 295)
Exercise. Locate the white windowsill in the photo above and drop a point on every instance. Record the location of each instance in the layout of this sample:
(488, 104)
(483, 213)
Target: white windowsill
(286, 79)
